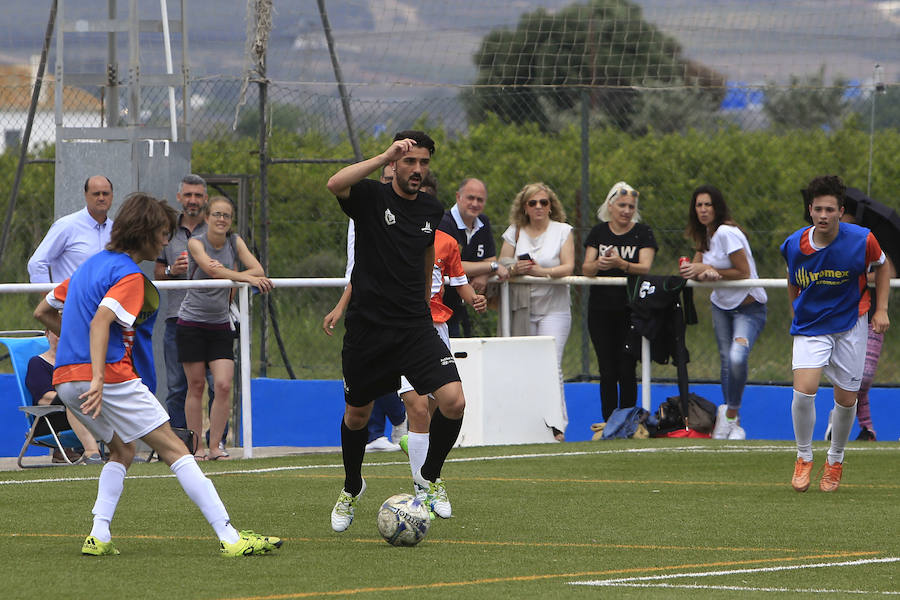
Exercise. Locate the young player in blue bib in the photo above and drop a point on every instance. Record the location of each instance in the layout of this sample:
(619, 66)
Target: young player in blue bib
(827, 265)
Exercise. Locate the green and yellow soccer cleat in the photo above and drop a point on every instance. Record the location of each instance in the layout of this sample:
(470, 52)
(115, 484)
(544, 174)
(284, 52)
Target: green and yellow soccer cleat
(250, 544)
(94, 547)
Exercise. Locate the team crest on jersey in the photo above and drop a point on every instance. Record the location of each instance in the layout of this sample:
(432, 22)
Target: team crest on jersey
(447, 360)
(427, 228)
(389, 217)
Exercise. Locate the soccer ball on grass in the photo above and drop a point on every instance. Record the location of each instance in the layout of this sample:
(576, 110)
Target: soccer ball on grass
(403, 520)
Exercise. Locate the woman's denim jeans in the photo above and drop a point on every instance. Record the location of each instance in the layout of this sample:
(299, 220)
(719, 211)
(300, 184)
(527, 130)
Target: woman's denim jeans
(743, 323)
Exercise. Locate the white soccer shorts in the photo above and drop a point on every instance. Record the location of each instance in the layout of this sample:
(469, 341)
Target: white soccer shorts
(128, 409)
(842, 356)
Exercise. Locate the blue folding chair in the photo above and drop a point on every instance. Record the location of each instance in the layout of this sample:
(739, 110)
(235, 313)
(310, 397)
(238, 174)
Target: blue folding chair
(21, 349)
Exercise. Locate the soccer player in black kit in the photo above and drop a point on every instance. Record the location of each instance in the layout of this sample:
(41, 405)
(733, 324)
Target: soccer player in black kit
(389, 331)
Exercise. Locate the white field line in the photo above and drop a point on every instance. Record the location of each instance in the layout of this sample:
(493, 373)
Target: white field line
(659, 580)
(733, 449)
(735, 588)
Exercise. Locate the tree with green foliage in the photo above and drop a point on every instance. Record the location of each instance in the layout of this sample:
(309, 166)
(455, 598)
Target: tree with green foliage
(887, 110)
(808, 102)
(539, 69)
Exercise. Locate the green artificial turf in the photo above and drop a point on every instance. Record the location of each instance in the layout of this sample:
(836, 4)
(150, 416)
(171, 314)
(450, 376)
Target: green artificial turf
(528, 522)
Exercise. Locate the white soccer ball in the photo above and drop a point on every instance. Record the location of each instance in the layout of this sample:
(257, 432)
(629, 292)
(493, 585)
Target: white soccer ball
(403, 520)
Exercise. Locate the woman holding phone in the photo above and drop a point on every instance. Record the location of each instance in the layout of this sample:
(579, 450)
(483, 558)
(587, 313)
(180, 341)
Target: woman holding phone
(618, 246)
(540, 241)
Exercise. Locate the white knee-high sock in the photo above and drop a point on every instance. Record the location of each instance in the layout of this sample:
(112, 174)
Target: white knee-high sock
(417, 443)
(803, 413)
(109, 490)
(202, 491)
(841, 422)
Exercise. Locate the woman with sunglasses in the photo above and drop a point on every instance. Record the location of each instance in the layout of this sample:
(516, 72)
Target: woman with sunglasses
(618, 246)
(539, 243)
(738, 314)
(203, 334)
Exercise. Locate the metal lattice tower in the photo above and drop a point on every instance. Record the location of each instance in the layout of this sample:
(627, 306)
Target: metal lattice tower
(133, 154)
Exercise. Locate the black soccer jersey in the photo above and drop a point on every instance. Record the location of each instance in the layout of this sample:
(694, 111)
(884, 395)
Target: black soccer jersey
(390, 285)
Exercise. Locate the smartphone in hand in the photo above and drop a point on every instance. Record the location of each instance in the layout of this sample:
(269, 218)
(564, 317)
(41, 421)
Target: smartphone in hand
(525, 256)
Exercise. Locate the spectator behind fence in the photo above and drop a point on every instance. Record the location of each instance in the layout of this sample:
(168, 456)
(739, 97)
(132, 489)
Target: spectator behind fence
(538, 242)
(74, 238)
(204, 331)
(738, 314)
(172, 263)
(389, 406)
(827, 265)
(616, 247)
(105, 363)
(39, 381)
(472, 231)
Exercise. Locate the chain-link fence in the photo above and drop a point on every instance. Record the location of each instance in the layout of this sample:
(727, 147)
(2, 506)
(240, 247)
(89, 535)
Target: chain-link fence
(664, 95)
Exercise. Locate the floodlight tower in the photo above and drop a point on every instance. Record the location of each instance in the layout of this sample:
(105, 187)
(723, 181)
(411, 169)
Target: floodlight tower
(135, 153)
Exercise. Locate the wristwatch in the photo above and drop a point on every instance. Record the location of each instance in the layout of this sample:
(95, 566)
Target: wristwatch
(494, 266)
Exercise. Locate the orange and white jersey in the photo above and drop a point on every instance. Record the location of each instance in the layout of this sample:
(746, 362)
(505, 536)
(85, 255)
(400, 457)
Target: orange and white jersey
(447, 262)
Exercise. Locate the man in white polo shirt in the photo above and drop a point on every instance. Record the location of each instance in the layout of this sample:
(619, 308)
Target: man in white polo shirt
(76, 237)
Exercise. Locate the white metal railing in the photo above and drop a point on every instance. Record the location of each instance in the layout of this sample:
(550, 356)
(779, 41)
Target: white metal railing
(244, 310)
(328, 282)
(645, 344)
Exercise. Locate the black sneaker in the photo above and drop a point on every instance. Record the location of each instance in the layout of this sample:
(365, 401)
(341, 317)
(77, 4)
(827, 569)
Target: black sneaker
(865, 435)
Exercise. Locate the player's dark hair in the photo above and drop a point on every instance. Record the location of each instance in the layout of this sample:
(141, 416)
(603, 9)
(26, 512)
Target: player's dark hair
(825, 185)
(419, 137)
(138, 220)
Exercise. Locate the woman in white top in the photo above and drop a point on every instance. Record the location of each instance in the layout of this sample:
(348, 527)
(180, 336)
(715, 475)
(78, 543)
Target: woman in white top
(541, 243)
(739, 314)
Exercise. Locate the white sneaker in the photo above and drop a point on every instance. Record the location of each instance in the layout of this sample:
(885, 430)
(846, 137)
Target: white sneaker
(382, 444)
(736, 432)
(398, 431)
(342, 513)
(720, 431)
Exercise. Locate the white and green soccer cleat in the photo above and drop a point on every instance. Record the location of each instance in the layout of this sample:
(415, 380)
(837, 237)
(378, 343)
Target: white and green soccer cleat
(342, 513)
(438, 500)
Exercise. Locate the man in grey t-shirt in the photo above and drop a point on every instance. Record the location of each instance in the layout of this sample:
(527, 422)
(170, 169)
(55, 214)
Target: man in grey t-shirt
(172, 263)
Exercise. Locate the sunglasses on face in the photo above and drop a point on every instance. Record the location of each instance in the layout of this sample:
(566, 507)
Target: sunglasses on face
(543, 202)
(624, 192)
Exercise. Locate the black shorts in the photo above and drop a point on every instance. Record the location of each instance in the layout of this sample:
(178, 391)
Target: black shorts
(198, 344)
(374, 357)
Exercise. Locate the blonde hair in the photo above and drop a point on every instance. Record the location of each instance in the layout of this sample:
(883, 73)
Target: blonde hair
(517, 214)
(603, 211)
